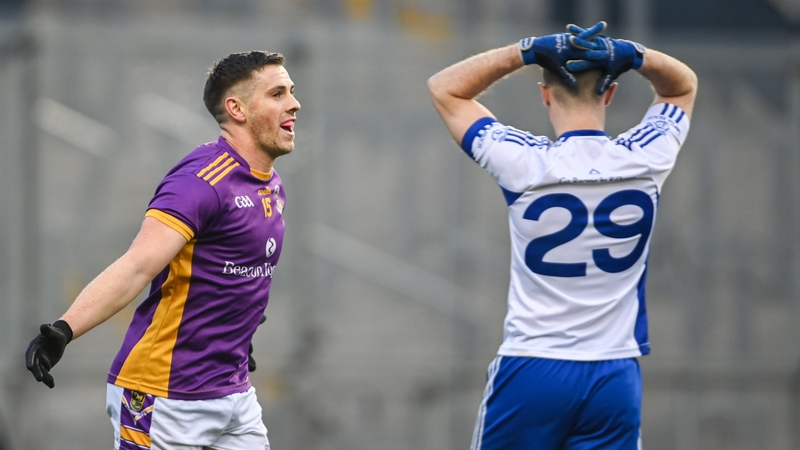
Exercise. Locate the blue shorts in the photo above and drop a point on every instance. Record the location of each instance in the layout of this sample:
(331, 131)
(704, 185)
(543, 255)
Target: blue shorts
(542, 404)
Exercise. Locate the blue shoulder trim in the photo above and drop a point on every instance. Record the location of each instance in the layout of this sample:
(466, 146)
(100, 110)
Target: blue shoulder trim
(472, 132)
(510, 196)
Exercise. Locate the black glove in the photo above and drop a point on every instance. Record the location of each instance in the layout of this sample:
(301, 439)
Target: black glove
(251, 363)
(46, 349)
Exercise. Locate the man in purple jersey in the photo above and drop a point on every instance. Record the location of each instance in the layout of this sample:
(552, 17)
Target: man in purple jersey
(209, 244)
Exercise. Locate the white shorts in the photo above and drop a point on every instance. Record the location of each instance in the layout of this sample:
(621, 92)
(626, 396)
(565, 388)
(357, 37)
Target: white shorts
(142, 421)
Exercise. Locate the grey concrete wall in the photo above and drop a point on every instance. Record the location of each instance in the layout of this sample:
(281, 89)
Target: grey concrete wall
(389, 299)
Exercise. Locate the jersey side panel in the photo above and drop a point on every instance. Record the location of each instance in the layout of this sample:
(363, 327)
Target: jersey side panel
(147, 366)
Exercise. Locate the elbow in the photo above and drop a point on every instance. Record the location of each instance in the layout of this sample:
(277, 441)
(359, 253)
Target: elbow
(691, 81)
(436, 88)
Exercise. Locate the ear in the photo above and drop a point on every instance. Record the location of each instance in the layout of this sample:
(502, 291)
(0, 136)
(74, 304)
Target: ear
(610, 94)
(236, 109)
(545, 94)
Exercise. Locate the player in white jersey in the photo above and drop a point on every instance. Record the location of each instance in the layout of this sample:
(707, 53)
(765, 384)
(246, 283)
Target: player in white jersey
(581, 214)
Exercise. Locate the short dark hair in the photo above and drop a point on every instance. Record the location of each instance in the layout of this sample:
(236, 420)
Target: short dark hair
(230, 71)
(583, 92)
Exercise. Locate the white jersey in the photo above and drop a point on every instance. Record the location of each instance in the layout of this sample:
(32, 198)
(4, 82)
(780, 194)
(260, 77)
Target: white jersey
(581, 213)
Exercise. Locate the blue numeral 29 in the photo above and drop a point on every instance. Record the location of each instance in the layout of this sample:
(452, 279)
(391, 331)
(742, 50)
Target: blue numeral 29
(537, 248)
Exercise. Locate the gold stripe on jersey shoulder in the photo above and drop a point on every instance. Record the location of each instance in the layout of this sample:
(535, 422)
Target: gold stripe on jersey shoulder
(227, 163)
(213, 164)
(172, 222)
(222, 175)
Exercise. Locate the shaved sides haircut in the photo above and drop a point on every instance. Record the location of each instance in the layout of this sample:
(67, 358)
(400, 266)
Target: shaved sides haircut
(230, 71)
(584, 92)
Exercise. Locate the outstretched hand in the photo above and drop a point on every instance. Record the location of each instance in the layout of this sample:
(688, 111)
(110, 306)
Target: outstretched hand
(553, 52)
(613, 56)
(46, 349)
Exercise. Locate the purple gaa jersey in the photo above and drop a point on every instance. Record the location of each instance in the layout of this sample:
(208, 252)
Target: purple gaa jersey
(189, 339)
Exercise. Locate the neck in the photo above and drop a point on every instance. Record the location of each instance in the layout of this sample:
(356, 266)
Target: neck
(578, 117)
(246, 147)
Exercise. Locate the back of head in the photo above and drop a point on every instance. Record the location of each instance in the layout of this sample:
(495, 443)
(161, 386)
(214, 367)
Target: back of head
(230, 71)
(583, 93)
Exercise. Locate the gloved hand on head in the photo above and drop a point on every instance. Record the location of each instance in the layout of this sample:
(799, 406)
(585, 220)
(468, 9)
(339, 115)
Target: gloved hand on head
(552, 52)
(613, 56)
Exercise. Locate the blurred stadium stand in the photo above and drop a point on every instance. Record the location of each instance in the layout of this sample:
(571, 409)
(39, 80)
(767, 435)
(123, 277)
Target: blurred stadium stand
(389, 300)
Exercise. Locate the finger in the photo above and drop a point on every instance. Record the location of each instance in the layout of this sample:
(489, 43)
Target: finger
(583, 44)
(36, 370)
(603, 83)
(32, 354)
(263, 319)
(574, 29)
(590, 33)
(593, 55)
(44, 328)
(48, 380)
(581, 65)
(568, 77)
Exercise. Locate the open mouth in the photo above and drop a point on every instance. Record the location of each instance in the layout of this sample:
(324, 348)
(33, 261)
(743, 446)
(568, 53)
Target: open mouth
(288, 126)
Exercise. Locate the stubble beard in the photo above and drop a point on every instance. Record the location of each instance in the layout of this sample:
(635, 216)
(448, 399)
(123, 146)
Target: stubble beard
(276, 148)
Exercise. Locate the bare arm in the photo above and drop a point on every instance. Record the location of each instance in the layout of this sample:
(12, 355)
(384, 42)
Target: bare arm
(673, 81)
(152, 249)
(454, 89)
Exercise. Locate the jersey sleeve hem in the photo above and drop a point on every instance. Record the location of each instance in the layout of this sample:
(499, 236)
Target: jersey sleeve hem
(172, 222)
(472, 133)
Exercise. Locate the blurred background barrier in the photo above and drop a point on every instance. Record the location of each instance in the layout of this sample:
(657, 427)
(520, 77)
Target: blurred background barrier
(388, 303)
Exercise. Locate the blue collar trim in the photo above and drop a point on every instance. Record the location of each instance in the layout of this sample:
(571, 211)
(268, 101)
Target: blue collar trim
(572, 133)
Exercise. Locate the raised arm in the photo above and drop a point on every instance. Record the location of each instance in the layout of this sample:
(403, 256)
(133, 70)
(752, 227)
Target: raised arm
(152, 249)
(673, 81)
(454, 89)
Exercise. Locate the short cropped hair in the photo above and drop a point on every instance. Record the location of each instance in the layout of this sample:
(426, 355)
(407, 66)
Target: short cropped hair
(584, 92)
(230, 71)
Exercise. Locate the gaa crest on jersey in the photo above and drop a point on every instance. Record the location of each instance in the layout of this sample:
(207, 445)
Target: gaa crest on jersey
(137, 401)
(139, 406)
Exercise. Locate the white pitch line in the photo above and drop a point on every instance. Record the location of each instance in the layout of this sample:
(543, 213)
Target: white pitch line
(174, 119)
(74, 127)
(376, 265)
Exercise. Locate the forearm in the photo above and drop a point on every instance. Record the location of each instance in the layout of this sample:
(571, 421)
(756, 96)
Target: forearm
(671, 79)
(106, 295)
(453, 90)
(467, 79)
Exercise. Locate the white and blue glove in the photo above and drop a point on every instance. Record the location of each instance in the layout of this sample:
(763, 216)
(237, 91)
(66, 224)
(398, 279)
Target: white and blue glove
(613, 56)
(552, 52)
